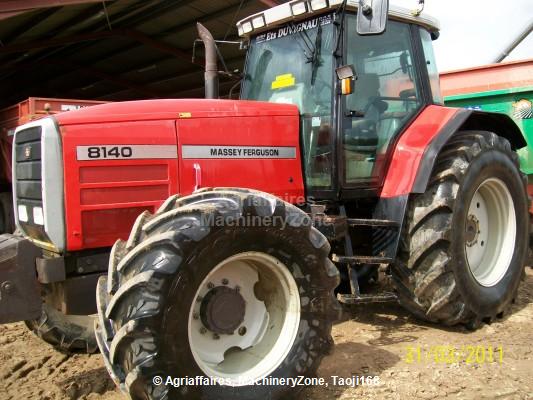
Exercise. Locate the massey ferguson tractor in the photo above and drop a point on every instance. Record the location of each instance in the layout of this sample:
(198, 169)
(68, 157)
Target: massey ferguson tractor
(338, 165)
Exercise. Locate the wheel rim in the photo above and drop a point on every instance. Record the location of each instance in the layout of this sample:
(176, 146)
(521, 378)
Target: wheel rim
(263, 332)
(490, 232)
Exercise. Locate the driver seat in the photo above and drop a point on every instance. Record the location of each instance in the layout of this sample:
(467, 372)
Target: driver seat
(361, 140)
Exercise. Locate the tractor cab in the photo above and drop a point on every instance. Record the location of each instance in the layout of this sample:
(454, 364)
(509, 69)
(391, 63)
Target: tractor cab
(356, 92)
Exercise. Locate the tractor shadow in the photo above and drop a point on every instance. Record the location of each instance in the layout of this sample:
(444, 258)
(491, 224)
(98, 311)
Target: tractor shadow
(87, 382)
(371, 340)
(524, 297)
(349, 359)
(396, 325)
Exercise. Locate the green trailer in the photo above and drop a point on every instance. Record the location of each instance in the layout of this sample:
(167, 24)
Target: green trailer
(505, 88)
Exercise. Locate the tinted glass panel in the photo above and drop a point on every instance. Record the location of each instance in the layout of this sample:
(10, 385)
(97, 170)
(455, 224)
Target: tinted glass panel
(433, 72)
(385, 97)
(294, 64)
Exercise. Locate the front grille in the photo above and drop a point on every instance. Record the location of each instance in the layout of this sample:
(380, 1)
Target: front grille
(28, 180)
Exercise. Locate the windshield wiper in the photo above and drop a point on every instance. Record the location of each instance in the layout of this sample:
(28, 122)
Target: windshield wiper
(342, 11)
(316, 56)
(306, 40)
(315, 50)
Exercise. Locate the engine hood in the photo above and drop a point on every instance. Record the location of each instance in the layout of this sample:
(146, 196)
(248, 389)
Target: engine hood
(146, 110)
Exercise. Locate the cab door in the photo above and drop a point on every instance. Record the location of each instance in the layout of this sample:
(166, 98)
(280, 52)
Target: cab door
(387, 96)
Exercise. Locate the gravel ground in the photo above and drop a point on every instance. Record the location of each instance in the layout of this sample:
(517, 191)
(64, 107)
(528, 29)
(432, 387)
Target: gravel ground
(373, 341)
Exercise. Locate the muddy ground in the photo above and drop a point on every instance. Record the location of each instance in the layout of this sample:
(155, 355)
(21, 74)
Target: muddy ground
(373, 341)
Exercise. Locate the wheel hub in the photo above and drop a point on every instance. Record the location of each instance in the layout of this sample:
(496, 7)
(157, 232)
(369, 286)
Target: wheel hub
(490, 232)
(222, 310)
(472, 230)
(244, 318)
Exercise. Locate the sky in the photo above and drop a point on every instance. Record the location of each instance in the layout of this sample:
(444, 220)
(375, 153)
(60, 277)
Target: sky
(475, 32)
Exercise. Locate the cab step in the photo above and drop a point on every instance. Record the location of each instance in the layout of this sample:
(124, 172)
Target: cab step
(384, 297)
(361, 259)
(379, 223)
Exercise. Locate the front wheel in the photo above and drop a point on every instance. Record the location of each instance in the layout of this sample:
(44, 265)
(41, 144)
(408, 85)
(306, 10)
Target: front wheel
(232, 286)
(466, 238)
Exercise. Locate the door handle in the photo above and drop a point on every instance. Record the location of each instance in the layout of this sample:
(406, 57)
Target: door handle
(197, 176)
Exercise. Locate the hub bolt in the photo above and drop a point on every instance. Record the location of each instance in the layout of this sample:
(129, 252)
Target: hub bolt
(7, 286)
(216, 336)
(210, 285)
(225, 281)
(203, 330)
(242, 330)
(199, 299)
(195, 316)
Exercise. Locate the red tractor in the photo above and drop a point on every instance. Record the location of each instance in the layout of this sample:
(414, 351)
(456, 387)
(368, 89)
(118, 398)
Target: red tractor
(338, 162)
(28, 110)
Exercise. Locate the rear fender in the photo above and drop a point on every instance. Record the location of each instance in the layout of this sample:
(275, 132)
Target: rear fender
(416, 151)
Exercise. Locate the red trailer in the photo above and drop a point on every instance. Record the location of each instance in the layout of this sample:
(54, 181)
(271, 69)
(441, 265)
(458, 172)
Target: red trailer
(487, 78)
(28, 110)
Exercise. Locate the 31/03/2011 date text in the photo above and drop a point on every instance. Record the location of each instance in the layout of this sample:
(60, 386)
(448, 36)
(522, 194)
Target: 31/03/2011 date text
(454, 354)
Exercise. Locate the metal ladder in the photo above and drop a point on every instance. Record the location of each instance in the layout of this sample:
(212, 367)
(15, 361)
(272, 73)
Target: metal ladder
(351, 261)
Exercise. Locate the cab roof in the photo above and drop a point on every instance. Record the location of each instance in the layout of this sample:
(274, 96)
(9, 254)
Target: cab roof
(296, 10)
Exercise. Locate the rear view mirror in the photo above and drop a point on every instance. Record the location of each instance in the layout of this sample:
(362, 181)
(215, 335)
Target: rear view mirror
(372, 17)
(345, 72)
(346, 75)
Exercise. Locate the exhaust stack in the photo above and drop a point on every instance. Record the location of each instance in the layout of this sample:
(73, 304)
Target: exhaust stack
(211, 68)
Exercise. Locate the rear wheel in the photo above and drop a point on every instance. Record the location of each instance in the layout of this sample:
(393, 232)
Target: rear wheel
(193, 293)
(466, 238)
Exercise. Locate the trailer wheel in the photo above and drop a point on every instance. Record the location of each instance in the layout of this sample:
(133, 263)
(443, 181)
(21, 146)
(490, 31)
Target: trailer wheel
(192, 293)
(466, 238)
(7, 222)
(67, 333)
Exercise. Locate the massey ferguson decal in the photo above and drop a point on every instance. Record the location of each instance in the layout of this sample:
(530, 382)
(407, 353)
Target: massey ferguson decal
(202, 151)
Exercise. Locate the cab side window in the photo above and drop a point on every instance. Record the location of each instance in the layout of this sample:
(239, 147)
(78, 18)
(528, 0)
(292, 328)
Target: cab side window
(433, 72)
(386, 95)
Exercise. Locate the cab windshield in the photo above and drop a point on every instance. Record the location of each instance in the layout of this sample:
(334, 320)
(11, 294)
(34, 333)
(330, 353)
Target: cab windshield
(294, 64)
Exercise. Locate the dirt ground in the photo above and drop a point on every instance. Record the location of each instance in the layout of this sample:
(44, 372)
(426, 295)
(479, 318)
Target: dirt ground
(373, 341)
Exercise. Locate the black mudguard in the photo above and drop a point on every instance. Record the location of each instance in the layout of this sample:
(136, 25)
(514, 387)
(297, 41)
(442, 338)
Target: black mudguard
(20, 297)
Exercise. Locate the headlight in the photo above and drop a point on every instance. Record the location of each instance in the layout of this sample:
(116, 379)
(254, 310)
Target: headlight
(38, 217)
(318, 4)
(22, 213)
(299, 8)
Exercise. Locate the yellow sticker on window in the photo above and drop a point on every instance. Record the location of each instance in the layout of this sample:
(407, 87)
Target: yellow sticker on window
(283, 81)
